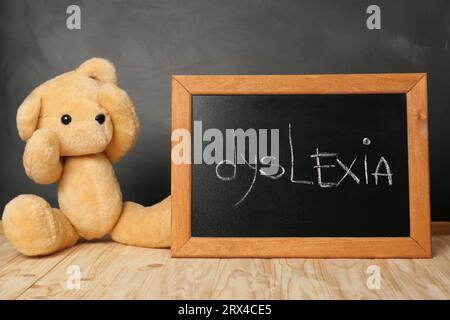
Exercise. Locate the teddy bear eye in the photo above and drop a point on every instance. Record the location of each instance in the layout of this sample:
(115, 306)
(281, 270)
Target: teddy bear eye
(66, 119)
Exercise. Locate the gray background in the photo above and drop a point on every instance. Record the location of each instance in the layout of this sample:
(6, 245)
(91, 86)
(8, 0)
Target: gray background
(151, 40)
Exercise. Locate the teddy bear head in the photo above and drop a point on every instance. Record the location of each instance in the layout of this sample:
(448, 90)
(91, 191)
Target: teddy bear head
(86, 109)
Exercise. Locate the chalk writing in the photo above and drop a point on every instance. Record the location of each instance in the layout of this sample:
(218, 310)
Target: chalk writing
(323, 160)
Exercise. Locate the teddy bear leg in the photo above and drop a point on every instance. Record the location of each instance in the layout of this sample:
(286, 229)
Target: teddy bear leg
(144, 226)
(34, 228)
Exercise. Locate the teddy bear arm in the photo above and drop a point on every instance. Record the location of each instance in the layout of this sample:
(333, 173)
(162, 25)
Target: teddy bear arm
(41, 159)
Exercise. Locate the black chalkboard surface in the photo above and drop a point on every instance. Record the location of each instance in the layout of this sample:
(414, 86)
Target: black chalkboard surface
(150, 40)
(358, 131)
(300, 166)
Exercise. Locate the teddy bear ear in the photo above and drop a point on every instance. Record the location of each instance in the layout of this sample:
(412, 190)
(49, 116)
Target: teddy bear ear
(28, 116)
(99, 69)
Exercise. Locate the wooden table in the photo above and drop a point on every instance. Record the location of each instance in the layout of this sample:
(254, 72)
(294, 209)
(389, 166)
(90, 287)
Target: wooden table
(114, 271)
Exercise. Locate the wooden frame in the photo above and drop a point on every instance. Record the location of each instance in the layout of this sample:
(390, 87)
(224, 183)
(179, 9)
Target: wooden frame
(418, 245)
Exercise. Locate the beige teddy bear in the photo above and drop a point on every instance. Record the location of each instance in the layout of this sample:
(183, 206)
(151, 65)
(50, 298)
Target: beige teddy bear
(75, 127)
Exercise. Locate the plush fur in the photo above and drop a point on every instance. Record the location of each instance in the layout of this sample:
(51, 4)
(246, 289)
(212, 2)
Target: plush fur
(102, 128)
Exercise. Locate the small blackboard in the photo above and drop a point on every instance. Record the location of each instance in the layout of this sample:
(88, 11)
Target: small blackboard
(320, 171)
(367, 133)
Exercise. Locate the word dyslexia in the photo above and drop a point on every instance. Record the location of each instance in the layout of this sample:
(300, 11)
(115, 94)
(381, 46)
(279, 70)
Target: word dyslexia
(253, 143)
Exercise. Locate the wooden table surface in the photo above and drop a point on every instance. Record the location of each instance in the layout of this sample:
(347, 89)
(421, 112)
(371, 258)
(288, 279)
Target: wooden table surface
(114, 271)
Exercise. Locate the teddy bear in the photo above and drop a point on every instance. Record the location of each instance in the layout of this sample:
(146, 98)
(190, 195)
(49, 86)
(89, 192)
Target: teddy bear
(76, 126)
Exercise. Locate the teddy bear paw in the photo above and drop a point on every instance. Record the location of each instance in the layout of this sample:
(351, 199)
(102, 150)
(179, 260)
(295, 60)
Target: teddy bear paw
(33, 228)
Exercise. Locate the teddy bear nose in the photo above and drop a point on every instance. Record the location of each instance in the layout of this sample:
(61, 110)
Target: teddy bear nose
(100, 118)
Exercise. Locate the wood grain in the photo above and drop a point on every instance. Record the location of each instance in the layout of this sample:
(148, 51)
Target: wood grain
(7, 252)
(414, 85)
(292, 247)
(180, 173)
(296, 84)
(114, 271)
(418, 165)
(20, 273)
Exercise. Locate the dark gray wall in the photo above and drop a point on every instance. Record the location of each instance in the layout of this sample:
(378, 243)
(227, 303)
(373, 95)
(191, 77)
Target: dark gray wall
(151, 40)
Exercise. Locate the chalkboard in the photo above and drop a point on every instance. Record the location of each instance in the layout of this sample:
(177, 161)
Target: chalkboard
(301, 158)
(148, 41)
(358, 129)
